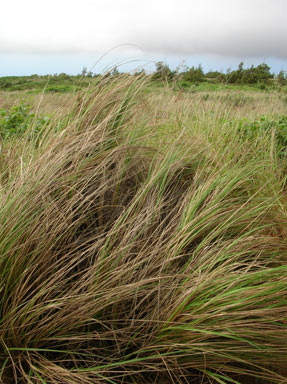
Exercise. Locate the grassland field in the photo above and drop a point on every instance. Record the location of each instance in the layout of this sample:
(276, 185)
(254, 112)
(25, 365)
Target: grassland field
(143, 234)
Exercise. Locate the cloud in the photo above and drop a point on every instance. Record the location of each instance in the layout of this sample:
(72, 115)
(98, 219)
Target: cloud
(228, 28)
(235, 28)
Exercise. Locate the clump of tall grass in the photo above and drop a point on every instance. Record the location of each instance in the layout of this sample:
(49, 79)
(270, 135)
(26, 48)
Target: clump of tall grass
(122, 263)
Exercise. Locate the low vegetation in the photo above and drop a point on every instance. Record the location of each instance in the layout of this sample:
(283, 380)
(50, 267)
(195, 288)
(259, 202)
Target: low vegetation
(258, 77)
(18, 119)
(143, 238)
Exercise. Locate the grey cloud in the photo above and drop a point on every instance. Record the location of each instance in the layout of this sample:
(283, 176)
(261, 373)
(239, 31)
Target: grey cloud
(224, 27)
(238, 45)
(234, 28)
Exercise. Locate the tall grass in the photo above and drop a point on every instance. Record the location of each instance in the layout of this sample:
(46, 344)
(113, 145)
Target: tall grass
(126, 259)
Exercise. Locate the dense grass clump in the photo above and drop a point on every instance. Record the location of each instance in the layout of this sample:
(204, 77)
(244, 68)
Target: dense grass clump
(123, 262)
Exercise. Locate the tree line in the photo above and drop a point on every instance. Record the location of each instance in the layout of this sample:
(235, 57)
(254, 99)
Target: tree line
(184, 76)
(260, 74)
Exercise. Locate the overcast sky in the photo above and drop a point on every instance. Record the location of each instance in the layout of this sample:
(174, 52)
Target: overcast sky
(41, 36)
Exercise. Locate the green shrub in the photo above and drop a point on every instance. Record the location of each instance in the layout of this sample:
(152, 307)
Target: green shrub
(184, 84)
(163, 72)
(266, 125)
(60, 88)
(17, 119)
(194, 75)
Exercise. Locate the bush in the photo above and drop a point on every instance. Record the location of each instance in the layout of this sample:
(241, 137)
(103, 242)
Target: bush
(253, 75)
(194, 75)
(265, 126)
(163, 72)
(18, 119)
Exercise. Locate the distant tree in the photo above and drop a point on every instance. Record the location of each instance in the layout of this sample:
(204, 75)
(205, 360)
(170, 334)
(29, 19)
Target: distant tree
(63, 76)
(212, 74)
(282, 78)
(240, 67)
(253, 75)
(215, 76)
(163, 72)
(263, 73)
(249, 76)
(237, 75)
(194, 74)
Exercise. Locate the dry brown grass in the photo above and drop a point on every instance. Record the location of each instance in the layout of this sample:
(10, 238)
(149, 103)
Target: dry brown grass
(46, 103)
(122, 263)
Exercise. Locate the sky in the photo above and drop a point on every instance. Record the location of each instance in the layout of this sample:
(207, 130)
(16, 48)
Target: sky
(55, 36)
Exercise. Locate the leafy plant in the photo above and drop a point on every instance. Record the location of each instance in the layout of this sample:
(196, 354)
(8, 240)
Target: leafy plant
(265, 125)
(282, 78)
(194, 75)
(17, 119)
(163, 72)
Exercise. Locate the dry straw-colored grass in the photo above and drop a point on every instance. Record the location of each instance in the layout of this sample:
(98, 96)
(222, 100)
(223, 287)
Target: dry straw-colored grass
(123, 263)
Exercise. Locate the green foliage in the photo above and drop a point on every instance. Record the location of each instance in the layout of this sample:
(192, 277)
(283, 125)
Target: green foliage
(236, 76)
(268, 126)
(194, 75)
(282, 77)
(57, 83)
(163, 72)
(17, 119)
(259, 76)
(215, 76)
(253, 75)
(62, 88)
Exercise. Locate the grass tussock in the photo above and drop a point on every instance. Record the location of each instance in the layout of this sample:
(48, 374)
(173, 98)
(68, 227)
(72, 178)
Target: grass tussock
(126, 263)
